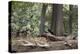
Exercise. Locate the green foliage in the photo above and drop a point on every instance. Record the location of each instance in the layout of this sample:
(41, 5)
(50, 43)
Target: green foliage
(66, 15)
(26, 15)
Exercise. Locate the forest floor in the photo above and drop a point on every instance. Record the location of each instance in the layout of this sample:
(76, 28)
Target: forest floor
(32, 44)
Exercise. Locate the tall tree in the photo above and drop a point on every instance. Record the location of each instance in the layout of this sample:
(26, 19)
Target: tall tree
(70, 18)
(42, 19)
(73, 18)
(57, 19)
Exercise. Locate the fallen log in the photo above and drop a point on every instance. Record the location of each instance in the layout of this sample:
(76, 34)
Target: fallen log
(57, 38)
(71, 43)
(57, 45)
(53, 37)
(67, 43)
(36, 44)
(26, 43)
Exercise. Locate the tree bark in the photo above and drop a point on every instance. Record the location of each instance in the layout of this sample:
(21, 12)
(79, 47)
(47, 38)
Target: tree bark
(57, 19)
(42, 19)
(53, 19)
(70, 19)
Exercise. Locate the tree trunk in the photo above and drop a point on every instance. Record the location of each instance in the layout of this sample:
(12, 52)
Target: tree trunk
(42, 19)
(57, 19)
(70, 19)
(53, 20)
(73, 18)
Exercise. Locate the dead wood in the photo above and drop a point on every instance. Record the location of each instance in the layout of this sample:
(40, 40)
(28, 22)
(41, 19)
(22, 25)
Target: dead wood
(56, 43)
(53, 37)
(52, 45)
(57, 38)
(67, 43)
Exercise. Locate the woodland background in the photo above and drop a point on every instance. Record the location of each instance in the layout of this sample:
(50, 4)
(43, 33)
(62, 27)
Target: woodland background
(31, 20)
